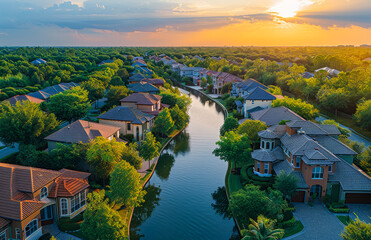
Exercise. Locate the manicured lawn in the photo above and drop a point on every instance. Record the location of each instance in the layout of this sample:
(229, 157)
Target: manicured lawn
(234, 182)
(344, 219)
(298, 226)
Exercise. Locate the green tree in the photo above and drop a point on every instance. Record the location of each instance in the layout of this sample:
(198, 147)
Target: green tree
(303, 109)
(233, 147)
(226, 88)
(357, 230)
(336, 99)
(150, 148)
(203, 82)
(95, 88)
(25, 123)
(164, 123)
(69, 105)
(103, 155)
(364, 159)
(125, 185)
(69, 156)
(115, 94)
(100, 220)
(286, 183)
(179, 117)
(116, 81)
(363, 114)
(230, 124)
(248, 203)
(123, 73)
(262, 229)
(251, 128)
(131, 155)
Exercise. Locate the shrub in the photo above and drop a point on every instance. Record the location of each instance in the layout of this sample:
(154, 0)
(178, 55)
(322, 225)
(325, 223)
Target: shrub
(339, 210)
(225, 96)
(289, 223)
(127, 137)
(65, 224)
(46, 236)
(287, 215)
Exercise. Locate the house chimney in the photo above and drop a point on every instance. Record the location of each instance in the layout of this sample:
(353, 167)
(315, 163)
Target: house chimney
(316, 148)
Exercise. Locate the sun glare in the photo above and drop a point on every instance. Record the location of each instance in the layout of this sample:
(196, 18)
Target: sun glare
(289, 8)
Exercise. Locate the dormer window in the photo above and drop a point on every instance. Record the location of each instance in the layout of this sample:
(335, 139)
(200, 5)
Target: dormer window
(44, 193)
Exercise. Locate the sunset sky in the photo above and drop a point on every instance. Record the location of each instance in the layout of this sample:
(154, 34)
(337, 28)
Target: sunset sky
(184, 22)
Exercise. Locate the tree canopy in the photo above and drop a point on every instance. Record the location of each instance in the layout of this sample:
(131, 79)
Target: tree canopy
(300, 107)
(230, 124)
(25, 123)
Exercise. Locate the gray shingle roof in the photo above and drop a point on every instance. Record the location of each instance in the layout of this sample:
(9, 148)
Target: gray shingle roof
(239, 104)
(128, 114)
(276, 131)
(136, 77)
(350, 178)
(267, 155)
(286, 167)
(272, 116)
(260, 94)
(335, 146)
(312, 128)
(142, 87)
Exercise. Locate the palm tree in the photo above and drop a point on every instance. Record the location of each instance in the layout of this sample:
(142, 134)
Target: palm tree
(262, 229)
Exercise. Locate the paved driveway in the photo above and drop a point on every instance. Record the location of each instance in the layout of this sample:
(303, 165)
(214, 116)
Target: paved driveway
(319, 223)
(363, 211)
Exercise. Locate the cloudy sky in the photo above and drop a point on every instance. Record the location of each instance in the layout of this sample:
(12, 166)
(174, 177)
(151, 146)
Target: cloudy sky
(184, 22)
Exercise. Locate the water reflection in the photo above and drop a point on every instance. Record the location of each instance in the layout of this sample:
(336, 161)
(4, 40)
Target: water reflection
(221, 202)
(220, 205)
(164, 165)
(142, 213)
(180, 144)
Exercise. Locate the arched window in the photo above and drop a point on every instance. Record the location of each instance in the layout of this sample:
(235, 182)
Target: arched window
(64, 207)
(44, 192)
(317, 173)
(31, 227)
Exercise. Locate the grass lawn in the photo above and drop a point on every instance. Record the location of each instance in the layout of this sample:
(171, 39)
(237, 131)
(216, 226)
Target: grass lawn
(344, 219)
(298, 226)
(1, 147)
(234, 182)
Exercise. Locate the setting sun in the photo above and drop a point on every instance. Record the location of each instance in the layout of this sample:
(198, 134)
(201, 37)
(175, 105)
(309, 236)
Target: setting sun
(289, 8)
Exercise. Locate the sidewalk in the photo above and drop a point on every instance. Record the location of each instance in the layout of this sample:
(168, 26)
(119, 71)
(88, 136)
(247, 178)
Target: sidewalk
(59, 235)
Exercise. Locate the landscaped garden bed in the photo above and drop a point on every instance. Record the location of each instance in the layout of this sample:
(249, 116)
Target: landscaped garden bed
(248, 177)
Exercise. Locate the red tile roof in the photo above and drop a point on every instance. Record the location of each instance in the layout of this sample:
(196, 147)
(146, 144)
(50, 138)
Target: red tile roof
(20, 98)
(18, 183)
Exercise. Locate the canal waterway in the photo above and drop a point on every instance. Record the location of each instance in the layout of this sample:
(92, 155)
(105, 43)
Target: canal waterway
(186, 197)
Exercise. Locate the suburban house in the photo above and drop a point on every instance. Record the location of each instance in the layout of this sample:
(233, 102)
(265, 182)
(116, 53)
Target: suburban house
(144, 70)
(312, 152)
(138, 59)
(82, 131)
(157, 82)
(145, 102)
(176, 67)
(139, 63)
(273, 116)
(222, 78)
(307, 75)
(136, 78)
(330, 71)
(20, 98)
(143, 88)
(256, 97)
(129, 120)
(191, 72)
(39, 61)
(46, 93)
(32, 197)
(105, 62)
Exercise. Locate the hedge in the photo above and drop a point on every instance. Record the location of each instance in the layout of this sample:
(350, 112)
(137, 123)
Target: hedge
(339, 210)
(289, 223)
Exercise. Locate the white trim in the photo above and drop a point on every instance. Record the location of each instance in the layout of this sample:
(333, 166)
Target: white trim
(262, 174)
(41, 191)
(60, 203)
(3, 233)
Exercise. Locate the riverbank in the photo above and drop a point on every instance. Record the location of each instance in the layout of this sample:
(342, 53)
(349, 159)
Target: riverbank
(148, 176)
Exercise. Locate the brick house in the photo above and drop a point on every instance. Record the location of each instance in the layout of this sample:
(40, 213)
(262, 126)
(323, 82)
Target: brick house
(33, 197)
(312, 152)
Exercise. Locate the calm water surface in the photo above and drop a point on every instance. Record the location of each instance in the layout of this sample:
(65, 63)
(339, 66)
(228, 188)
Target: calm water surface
(186, 196)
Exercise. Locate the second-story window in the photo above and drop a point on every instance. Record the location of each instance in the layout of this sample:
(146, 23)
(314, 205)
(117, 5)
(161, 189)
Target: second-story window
(317, 173)
(330, 168)
(298, 159)
(44, 192)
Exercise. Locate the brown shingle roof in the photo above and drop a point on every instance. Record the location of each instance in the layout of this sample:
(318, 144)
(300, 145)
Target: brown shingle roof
(20, 98)
(82, 131)
(19, 182)
(142, 98)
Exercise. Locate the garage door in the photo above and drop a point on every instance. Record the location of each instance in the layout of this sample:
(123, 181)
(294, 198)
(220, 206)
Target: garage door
(358, 198)
(298, 196)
